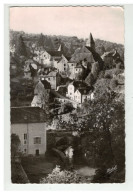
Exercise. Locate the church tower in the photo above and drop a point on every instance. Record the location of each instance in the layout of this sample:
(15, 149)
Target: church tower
(90, 42)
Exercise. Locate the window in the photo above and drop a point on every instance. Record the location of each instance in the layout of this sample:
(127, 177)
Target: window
(72, 64)
(25, 135)
(49, 78)
(64, 68)
(70, 93)
(25, 141)
(25, 150)
(37, 140)
(64, 64)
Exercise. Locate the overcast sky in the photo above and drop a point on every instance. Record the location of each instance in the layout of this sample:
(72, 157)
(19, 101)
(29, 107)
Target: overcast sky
(106, 23)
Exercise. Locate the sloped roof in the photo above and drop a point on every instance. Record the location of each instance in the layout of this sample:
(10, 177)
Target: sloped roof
(79, 84)
(85, 91)
(78, 65)
(46, 84)
(52, 73)
(81, 55)
(55, 53)
(27, 115)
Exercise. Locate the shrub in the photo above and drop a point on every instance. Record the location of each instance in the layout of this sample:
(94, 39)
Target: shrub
(58, 176)
(107, 75)
(113, 84)
(101, 75)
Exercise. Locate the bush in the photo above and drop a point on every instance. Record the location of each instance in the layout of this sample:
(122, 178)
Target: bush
(113, 84)
(58, 176)
(101, 75)
(107, 75)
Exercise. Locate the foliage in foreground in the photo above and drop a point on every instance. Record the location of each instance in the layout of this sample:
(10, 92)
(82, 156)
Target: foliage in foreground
(63, 176)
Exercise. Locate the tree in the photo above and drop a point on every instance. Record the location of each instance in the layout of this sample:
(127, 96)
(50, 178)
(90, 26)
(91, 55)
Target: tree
(20, 47)
(15, 142)
(113, 84)
(41, 40)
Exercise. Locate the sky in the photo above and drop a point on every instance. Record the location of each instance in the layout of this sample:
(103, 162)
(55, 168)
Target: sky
(106, 23)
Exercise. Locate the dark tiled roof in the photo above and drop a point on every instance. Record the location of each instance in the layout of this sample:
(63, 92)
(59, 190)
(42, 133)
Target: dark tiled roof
(55, 53)
(27, 115)
(79, 65)
(80, 84)
(85, 91)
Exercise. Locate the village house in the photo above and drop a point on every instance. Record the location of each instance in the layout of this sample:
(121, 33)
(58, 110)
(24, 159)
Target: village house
(62, 64)
(78, 68)
(81, 95)
(27, 68)
(29, 123)
(53, 78)
(42, 57)
(41, 94)
(71, 68)
(79, 91)
(48, 58)
(55, 57)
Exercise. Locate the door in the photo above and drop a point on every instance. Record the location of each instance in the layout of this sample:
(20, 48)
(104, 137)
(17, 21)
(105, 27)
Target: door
(37, 152)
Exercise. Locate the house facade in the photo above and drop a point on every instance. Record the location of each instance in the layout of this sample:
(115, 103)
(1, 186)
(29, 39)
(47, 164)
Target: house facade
(29, 123)
(62, 64)
(79, 91)
(53, 78)
(42, 57)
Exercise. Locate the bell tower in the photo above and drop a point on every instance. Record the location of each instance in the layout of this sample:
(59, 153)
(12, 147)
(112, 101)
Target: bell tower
(90, 42)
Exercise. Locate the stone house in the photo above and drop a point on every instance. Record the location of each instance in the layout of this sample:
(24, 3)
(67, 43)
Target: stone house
(29, 123)
(39, 95)
(53, 78)
(42, 57)
(62, 64)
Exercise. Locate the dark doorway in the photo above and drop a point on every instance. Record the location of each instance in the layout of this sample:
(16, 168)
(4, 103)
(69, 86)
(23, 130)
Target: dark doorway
(37, 152)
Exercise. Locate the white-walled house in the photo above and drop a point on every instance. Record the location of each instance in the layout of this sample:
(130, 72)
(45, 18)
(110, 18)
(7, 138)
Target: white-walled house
(83, 94)
(29, 123)
(71, 68)
(79, 91)
(42, 57)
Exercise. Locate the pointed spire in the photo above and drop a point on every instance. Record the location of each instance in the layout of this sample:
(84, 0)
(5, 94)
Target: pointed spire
(59, 49)
(90, 42)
